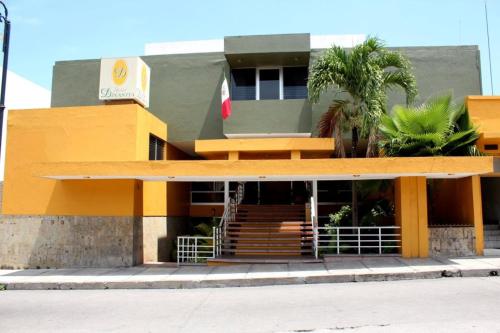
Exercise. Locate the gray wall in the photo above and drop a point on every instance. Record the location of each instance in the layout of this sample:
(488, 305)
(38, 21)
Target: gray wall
(269, 116)
(185, 91)
(438, 70)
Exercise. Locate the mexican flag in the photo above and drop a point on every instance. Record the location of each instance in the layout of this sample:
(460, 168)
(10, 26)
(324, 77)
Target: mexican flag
(226, 101)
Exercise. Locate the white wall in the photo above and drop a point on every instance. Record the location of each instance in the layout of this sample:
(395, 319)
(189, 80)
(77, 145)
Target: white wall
(20, 94)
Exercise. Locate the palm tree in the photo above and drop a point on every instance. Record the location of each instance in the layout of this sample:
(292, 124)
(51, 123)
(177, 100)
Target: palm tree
(364, 74)
(437, 127)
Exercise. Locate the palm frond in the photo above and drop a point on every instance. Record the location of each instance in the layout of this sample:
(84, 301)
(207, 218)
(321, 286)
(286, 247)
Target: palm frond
(437, 127)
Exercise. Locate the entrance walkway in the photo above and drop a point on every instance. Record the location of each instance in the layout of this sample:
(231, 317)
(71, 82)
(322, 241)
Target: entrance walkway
(332, 271)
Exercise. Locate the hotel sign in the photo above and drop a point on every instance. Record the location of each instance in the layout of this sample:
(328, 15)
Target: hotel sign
(124, 78)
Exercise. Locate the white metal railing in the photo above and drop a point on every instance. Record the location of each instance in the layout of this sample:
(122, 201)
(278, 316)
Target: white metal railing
(314, 224)
(198, 249)
(358, 240)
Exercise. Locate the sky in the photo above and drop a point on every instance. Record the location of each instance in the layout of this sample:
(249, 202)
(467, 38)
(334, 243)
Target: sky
(46, 31)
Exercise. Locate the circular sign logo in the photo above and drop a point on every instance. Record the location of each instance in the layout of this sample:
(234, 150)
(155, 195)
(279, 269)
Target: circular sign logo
(120, 72)
(144, 78)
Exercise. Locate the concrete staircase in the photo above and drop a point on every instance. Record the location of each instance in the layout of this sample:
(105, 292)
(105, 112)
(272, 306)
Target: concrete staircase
(492, 236)
(269, 231)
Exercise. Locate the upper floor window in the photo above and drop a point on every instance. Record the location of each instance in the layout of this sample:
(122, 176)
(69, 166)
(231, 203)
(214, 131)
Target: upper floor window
(156, 148)
(269, 83)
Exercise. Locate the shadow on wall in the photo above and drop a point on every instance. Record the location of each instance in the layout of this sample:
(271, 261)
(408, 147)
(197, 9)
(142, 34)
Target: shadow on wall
(176, 226)
(213, 129)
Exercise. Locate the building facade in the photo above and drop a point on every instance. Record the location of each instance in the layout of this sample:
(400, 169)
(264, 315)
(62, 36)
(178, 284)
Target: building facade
(93, 182)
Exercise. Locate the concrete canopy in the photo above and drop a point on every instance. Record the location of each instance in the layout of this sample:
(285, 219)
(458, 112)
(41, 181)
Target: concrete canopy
(273, 170)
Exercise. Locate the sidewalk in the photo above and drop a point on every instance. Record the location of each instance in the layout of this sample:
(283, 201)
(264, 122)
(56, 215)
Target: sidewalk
(333, 271)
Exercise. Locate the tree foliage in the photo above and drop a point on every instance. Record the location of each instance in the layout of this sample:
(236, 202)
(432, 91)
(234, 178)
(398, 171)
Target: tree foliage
(365, 73)
(437, 127)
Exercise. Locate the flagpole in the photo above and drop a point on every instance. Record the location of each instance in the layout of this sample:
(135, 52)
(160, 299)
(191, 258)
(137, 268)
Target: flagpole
(489, 47)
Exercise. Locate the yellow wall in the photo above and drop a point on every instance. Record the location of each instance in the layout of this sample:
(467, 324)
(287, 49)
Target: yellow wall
(411, 216)
(485, 113)
(477, 212)
(267, 148)
(188, 170)
(178, 193)
(79, 134)
(460, 203)
(454, 193)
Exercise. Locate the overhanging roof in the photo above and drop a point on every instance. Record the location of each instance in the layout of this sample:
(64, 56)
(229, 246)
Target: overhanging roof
(273, 170)
(213, 148)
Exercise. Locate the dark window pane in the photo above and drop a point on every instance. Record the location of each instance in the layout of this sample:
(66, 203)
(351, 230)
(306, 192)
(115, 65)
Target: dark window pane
(160, 145)
(152, 148)
(207, 197)
(295, 82)
(269, 83)
(243, 84)
(156, 148)
(207, 186)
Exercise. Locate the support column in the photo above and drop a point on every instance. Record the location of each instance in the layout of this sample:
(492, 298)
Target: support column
(295, 155)
(477, 214)
(315, 196)
(411, 216)
(233, 155)
(226, 191)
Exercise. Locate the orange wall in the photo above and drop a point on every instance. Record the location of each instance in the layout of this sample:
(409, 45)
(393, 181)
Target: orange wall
(411, 215)
(178, 193)
(456, 193)
(485, 113)
(76, 134)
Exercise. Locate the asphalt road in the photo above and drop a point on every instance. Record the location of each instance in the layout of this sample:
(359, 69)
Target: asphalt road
(442, 305)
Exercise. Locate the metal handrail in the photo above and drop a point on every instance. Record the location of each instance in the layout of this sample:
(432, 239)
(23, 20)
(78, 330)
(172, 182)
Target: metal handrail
(314, 224)
(383, 237)
(229, 215)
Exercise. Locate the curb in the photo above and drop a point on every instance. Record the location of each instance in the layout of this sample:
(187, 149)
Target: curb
(250, 282)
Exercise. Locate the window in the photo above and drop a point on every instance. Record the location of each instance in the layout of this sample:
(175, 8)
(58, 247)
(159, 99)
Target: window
(209, 193)
(243, 84)
(156, 148)
(490, 147)
(269, 83)
(295, 82)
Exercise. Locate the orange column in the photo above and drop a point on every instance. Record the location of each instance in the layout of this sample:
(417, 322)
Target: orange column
(411, 216)
(477, 213)
(233, 155)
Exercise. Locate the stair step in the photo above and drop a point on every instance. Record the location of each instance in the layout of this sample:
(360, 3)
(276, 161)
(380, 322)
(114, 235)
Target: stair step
(269, 219)
(491, 227)
(274, 251)
(492, 232)
(283, 222)
(272, 239)
(270, 228)
(269, 234)
(267, 230)
(268, 244)
(269, 248)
